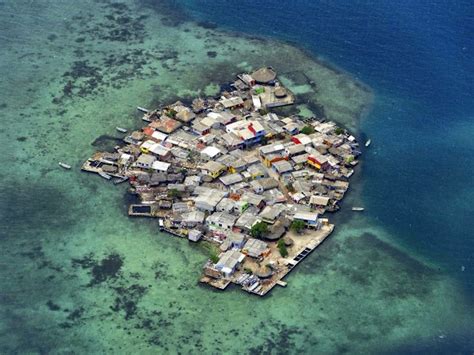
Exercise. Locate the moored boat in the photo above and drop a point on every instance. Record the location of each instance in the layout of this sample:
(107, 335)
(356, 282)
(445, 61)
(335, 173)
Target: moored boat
(142, 109)
(105, 175)
(358, 209)
(368, 142)
(64, 165)
(120, 129)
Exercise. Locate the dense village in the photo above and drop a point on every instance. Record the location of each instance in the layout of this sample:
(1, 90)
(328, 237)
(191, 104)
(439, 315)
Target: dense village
(229, 171)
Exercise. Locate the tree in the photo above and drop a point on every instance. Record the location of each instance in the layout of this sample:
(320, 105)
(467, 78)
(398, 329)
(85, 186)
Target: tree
(282, 248)
(297, 225)
(259, 230)
(307, 130)
(339, 130)
(171, 113)
(174, 193)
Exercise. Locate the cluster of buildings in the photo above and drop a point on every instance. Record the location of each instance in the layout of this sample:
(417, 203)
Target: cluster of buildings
(218, 168)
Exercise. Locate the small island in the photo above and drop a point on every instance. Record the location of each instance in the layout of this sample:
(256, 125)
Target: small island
(230, 171)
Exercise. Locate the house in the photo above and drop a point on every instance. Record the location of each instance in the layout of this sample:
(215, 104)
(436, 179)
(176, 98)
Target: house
(271, 213)
(248, 131)
(213, 169)
(225, 205)
(282, 167)
(257, 171)
(157, 149)
(271, 153)
(257, 104)
(232, 102)
(319, 201)
(165, 124)
(253, 199)
(255, 248)
(301, 139)
(246, 220)
(309, 218)
(221, 220)
(233, 240)
(200, 129)
(160, 166)
(229, 262)
(231, 179)
(208, 199)
(247, 79)
(185, 115)
(300, 160)
(145, 161)
(192, 218)
(194, 235)
(222, 118)
(264, 75)
(295, 149)
(317, 160)
(159, 136)
(262, 185)
(211, 152)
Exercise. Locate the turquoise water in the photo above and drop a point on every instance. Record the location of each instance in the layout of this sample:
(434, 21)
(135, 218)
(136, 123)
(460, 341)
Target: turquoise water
(79, 276)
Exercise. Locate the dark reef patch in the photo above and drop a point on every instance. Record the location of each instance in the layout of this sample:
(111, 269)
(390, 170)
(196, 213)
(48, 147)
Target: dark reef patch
(106, 142)
(21, 139)
(108, 268)
(212, 54)
(127, 299)
(52, 306)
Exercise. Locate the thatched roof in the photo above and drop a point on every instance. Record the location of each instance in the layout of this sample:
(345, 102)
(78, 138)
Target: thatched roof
(264, 75)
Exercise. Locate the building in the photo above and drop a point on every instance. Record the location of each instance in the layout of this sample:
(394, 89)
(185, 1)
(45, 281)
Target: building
(282, 166)
(249, 132)
(229, 262)
(213, 169)
(211, 152)
(319, 201)
(160, 166)
(232, 102)
(145, 161)
(221, 220)
(231, 179)
(194, 235)
(309, 218)
(255, 248)
(165, 124)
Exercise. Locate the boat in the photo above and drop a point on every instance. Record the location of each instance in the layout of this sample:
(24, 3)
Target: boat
(368, 142)
(65, 166)
(142, 109)
(358, 209)
(120, 129)
(120, 180)
(105, 175)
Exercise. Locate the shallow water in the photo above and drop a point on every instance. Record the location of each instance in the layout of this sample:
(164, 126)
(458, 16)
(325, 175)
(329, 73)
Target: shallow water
(79, 276)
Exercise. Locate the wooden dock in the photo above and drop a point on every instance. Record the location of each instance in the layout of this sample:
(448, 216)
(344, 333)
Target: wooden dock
(264, 288)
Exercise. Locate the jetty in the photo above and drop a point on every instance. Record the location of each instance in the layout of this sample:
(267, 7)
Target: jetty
(229, 171)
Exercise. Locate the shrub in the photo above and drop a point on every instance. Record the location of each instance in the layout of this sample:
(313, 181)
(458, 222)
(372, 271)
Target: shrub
(174, 193)
(282, 248)
(339, 130)
(259, 230)
(307, 130)
(297, 226)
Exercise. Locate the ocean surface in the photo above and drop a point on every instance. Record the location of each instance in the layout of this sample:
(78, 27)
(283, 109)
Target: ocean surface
(79, 276)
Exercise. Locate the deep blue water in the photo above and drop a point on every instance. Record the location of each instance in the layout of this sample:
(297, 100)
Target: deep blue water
(418, 58)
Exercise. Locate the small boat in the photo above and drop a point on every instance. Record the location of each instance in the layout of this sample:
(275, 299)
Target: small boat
(120, 180)
(358, 209)
(105, 175)
(142, 109)
(65, 166)
(368, 142)
(120, 129)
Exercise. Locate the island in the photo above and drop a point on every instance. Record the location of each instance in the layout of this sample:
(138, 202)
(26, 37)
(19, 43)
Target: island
(232, 172)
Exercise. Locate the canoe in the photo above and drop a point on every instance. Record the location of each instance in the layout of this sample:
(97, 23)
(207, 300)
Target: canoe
(105, 175)
(120, 129)
(368, 142)
(65, 166)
